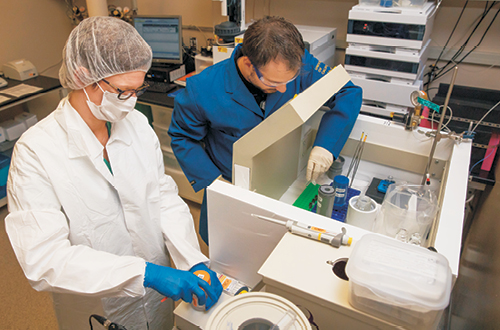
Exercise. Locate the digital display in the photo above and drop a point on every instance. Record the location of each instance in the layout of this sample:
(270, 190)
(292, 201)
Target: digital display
(164, 35)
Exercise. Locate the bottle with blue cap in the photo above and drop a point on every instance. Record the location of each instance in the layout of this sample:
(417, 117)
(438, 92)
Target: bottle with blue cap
(341, 185)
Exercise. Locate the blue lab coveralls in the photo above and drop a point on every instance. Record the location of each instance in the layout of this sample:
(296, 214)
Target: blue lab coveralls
(216, 109)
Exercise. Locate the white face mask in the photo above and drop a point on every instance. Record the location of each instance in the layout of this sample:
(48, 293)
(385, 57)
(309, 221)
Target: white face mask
(111, 109)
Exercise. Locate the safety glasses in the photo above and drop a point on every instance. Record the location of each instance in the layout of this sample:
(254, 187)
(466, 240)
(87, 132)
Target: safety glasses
(126, 94)
(269, 83)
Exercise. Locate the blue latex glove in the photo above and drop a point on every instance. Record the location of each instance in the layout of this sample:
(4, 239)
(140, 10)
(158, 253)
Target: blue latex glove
(215, 286)
(177, 284)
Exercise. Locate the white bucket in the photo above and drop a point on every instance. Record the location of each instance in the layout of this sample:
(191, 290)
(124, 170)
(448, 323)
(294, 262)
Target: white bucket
(257, 310)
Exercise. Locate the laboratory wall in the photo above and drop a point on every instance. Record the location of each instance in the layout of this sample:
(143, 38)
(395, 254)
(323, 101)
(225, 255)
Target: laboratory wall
(35, 31)
(480, 69)
(484, 70)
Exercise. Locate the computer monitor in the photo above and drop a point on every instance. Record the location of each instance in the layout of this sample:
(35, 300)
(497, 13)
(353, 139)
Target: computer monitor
(164, 35)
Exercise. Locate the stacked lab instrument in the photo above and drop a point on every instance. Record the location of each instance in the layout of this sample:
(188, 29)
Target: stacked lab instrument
(387, 52)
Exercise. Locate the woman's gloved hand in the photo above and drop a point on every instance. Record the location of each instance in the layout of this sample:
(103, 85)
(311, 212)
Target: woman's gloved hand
(177, 284)
(319, 162)
(215, 284)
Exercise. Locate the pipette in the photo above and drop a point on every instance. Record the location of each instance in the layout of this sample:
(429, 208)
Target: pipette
(315, 233)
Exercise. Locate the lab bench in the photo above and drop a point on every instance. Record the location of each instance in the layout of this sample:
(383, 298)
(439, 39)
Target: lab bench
(47, 85)
(303, 276)
(162, 105)
(269, 174)
(40, 102)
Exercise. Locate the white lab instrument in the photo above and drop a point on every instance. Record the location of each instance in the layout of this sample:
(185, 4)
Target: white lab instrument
(202, 62)
(308, 280)
(19, 70)
(257, 155)
(388, 49)
(258, 310)
(29, 119)
(315, 233)
(319, 41)
(96, 247)
(390, 150)
(385, 89)
(401, 64)
(362, 212)
(387, 4)
(13, 129)
(404, 284)
(235, 12)
(382, 26)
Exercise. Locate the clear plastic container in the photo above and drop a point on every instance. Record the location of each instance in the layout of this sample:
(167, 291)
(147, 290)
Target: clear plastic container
(393, 3)
(401, 283)
(409, 3)
(369, 2)
(407, 213)
(202, 62)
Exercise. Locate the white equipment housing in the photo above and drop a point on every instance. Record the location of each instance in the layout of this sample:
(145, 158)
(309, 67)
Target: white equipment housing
(320, 42)
(418, 20)
(393, 62)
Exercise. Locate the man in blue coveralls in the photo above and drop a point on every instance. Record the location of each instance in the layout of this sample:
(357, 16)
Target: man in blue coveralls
(228, 99)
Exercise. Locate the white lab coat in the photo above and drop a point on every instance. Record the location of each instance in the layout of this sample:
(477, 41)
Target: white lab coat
(84, 233)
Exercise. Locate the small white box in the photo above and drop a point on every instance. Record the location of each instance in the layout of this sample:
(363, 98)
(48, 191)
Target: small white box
(202, 62)
(2, 134)
(29, 119)
(399, 282)
(13, 129)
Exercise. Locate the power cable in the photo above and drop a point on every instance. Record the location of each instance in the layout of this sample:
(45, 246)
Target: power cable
(487, 113)
(434, 66)
(482, 160)
(452, 32)
(461, 49)
(474, 48)
(459, 52)
(50, 67)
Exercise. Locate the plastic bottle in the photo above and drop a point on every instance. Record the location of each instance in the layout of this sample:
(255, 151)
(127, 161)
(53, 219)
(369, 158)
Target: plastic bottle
(206, 277)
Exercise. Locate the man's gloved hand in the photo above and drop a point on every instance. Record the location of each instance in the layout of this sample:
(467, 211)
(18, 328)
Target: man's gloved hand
(319, 162)
(177, 284)
(214, 283)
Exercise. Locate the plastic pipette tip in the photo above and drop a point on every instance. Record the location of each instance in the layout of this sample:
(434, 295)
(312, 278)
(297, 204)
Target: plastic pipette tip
(349, 241)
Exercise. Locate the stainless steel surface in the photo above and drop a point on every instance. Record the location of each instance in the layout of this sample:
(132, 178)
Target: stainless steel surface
(476, 295)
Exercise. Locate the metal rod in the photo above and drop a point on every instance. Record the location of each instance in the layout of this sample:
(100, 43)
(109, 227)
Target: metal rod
(441, 119)
(361, 149)
(355, 155)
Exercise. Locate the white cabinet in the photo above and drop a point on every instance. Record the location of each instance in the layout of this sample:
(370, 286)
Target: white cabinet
(161, 122)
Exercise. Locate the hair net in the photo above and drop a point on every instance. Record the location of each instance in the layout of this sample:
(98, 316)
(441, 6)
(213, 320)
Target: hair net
(101, 47)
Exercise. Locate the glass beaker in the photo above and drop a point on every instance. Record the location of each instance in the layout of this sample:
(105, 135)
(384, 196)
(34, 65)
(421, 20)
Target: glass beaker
(407, 211)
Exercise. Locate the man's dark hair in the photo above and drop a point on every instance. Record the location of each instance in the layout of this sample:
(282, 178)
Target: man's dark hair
(273, 38)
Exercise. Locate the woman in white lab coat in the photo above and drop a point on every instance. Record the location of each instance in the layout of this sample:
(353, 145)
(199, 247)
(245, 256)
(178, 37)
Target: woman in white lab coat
(93, 218)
